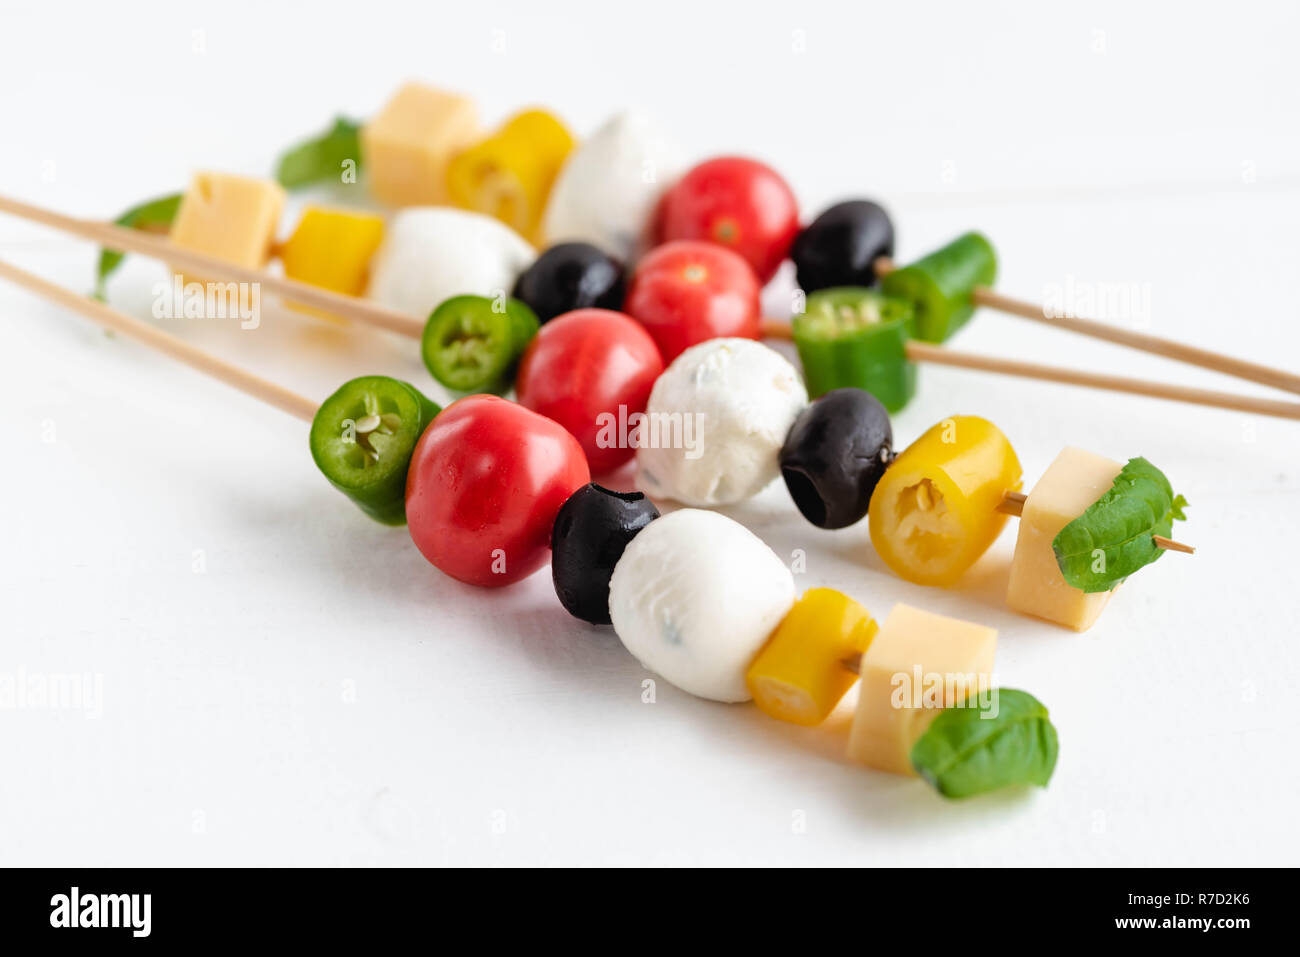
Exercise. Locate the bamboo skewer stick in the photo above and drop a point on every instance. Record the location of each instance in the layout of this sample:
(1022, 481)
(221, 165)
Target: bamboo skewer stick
(940, 355)
(283, 399)
(1168, 544)
(924, 352)
(1013, 503)
(123, 239)
(1155, 345)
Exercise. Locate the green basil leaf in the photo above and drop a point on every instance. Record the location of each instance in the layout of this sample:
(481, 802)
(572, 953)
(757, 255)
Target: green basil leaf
(1113, 538)
(154, 214)
(984, 746)
(321, 157)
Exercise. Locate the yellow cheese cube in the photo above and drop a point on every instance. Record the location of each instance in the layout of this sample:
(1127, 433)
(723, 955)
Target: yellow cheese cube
(233, 218)
(1071, 483)
(918, 664)
(800, 675)
(332, 248)
(407, 147)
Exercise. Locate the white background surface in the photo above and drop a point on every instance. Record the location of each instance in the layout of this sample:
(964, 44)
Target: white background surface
(315, 693)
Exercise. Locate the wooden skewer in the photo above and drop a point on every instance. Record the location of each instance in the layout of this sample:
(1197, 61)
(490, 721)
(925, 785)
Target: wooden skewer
(123, 239)
(925, 352)
(1169, 545)
(111, 318)
(940, 355)
(1168, 348)
(1013, 503)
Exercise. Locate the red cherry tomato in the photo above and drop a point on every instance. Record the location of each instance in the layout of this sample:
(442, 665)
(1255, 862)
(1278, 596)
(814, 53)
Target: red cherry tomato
(589, 370)
(686, 292)
(735, 202)
(486, 481)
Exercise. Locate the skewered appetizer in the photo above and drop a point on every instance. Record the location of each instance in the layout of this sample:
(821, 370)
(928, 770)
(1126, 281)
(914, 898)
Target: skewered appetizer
(1087, 525)
(623, 184)
(934, 509)
(721, 622)
(604, 345)
(927, 526)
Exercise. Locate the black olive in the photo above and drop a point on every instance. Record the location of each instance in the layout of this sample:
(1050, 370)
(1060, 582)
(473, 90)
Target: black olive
(591, 531)
(840, 247)
(834, 454)
(571, 276)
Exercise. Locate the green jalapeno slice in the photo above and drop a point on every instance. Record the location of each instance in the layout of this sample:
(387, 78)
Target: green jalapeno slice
(362, 438)
(472, 343)
(854, 336)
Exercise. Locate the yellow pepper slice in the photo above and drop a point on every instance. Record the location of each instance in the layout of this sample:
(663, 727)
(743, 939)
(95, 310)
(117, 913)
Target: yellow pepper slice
(509, 175)
(803, 671)
(934, 512)
(331, 248)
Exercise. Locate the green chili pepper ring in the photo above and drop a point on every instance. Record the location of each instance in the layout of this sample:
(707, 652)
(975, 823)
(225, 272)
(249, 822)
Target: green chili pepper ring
(471, 344)
(362, 438)
(854, 336)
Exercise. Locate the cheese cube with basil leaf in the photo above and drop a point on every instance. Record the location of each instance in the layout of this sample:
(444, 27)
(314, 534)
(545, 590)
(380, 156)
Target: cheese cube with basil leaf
(918, 664)
(1086, 526)
(1071, 483)
(1003, 740)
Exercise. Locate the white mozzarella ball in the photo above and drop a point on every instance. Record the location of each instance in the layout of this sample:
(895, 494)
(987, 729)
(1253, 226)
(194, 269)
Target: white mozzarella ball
(694, 597)
(606, 191)
(430, 254)
(734, 400)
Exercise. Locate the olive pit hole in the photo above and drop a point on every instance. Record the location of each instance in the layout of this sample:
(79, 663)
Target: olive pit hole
(805, 495)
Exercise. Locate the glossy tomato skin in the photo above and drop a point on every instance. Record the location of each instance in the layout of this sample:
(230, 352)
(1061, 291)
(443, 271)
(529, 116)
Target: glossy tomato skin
(587, 363)
(739, 203)
(685, 292)
(486, 481)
